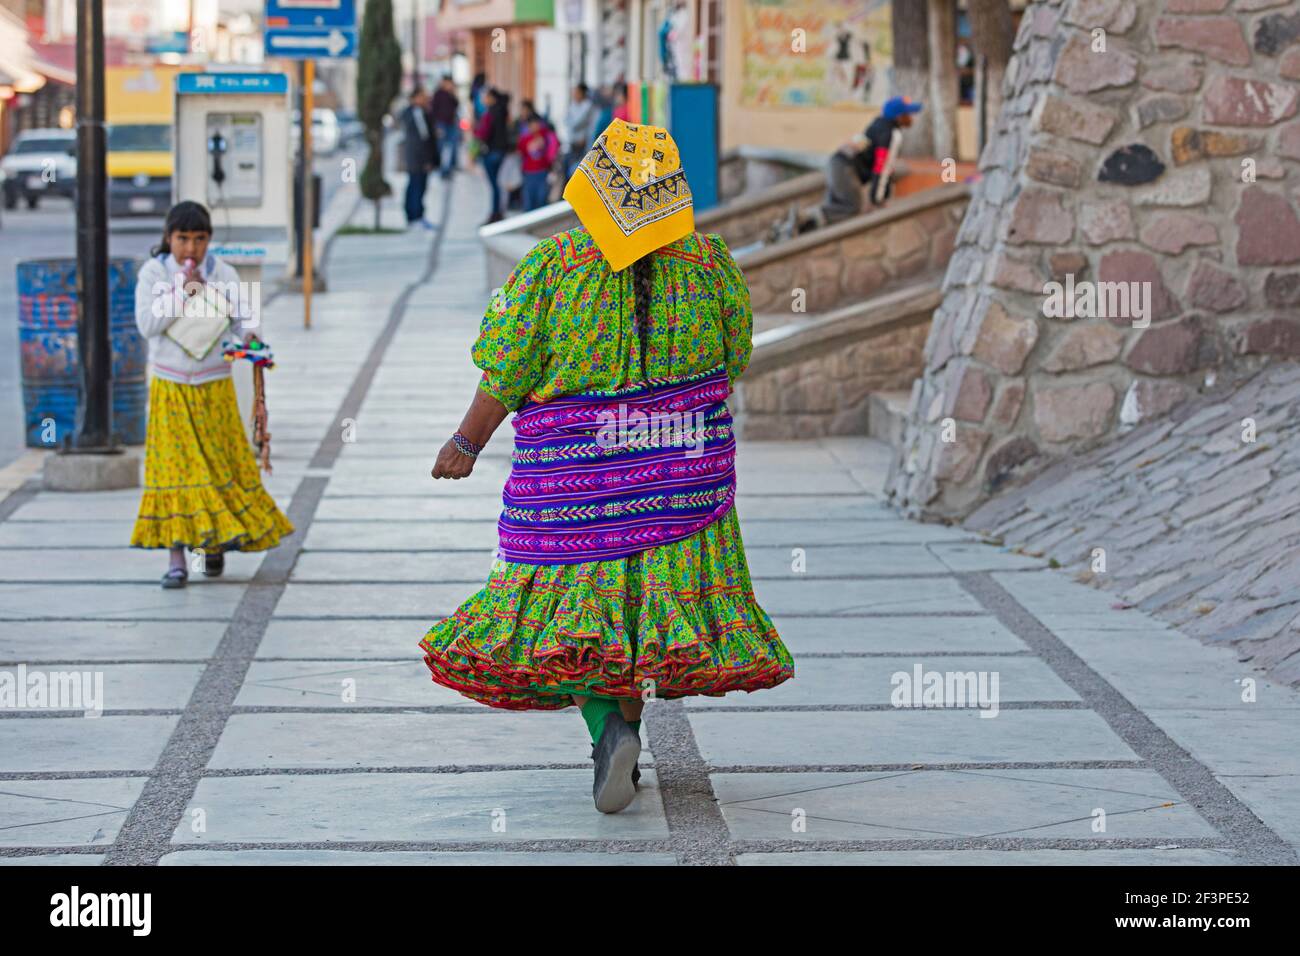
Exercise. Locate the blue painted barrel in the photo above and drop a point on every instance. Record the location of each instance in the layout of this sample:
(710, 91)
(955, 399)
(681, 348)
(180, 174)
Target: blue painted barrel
(47, 342)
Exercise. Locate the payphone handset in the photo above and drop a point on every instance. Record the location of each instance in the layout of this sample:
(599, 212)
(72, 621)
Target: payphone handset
(234, 159)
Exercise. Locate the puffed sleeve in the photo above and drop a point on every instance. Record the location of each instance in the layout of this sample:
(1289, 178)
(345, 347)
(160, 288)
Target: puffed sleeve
(737, 316)
(155, 305)
(513, 344)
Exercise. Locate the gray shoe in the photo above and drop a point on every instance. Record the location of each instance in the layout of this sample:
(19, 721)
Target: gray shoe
(616, 756)
(175, 578)
(636, 769)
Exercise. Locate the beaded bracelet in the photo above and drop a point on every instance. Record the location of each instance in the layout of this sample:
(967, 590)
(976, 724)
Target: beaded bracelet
(465, 446)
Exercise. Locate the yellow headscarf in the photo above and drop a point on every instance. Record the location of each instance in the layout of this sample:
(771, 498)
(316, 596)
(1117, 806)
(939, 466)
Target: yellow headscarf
(630, 192)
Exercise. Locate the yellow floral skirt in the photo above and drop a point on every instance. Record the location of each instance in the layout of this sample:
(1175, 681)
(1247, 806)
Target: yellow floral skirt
(202, 487)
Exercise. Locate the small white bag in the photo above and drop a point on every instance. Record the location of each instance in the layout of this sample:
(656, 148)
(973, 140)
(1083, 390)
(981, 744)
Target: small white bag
(511, 175)
(204, 319)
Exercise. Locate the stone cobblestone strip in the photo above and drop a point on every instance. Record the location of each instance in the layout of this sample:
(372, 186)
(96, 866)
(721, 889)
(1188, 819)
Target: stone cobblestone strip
(1194, 781)
(146, 835)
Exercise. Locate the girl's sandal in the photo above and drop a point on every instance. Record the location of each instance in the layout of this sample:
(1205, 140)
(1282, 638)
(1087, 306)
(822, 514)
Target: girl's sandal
(175, 578)
(213, 564)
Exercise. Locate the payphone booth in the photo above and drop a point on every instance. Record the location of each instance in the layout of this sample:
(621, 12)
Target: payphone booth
(232, 153)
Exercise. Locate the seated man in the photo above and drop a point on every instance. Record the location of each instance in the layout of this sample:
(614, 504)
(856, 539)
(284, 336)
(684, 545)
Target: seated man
(865, 160)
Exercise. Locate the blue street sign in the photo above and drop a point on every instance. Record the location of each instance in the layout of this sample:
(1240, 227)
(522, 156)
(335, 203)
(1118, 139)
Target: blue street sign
(310, 44)
(310, 29)
(311, 13)
(232, 83)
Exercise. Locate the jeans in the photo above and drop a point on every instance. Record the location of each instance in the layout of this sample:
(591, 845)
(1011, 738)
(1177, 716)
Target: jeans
(843, 190)
(535, 189)
(492, 166)
(415, 187)
(448, 146)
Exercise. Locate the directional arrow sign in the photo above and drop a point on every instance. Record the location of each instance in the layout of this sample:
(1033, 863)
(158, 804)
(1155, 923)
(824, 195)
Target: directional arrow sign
(310, 29)
(318, 42)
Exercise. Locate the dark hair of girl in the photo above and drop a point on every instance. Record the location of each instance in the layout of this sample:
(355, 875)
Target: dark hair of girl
(643, 286)
(185, 216)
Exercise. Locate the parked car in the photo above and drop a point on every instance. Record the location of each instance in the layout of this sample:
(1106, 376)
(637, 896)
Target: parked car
(351, 129)
(40, 163)
(324, 131)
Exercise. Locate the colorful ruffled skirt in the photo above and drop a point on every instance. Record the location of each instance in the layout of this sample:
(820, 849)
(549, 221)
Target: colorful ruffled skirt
(675, 620)
(202, 486)
(583, 606)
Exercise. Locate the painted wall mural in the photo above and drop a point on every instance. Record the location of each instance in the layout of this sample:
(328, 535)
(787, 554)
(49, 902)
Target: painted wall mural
(816, 53)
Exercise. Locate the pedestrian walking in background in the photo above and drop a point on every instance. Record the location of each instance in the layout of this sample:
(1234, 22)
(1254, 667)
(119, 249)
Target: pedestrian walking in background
(538, 146)
(493, 132)
(620, 572)
(478, 95)
(603, 99)
(621, 108)
(202, 489)
(579, 128)
(519, 127)
(420, 150)
(446, 125)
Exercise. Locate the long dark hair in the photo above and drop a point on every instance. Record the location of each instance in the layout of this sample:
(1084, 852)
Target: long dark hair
(185, 216)
(643, 286)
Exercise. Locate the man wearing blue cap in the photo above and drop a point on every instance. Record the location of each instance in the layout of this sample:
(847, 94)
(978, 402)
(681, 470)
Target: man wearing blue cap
(866, 159)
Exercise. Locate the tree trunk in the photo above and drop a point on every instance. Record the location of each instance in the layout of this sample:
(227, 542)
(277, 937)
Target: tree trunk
(942, 106)
(912, 69)
(993, 33)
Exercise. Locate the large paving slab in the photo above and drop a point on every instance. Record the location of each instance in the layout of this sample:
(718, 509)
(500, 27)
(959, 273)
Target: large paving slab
(903, 634)
(954, 804)
(459, 567)
(802, 739)
(402, 536)
(845, 682)
(345, 684)
(64, 813)
(350, 639)
(354, 740)
(89, 640)
(423, 601)
(138, 686)
(892, 596)
(78, 744)
(491, 808)
(203, 599)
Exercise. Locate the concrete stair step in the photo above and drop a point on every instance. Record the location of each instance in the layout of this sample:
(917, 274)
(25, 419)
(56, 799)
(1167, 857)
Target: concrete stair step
(887, 416)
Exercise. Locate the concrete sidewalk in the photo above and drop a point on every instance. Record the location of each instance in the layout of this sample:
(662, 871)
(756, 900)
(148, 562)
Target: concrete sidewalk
(283, 714)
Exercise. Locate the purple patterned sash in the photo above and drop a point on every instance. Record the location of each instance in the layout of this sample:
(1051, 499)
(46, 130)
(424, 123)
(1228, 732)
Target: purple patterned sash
(603, 475)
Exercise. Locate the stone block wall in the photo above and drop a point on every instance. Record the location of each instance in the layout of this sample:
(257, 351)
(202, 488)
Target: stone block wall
(829, 395)
(1152, 142)
(854, 260)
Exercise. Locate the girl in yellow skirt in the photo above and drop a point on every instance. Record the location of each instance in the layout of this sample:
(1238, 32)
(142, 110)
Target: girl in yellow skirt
(202, 488)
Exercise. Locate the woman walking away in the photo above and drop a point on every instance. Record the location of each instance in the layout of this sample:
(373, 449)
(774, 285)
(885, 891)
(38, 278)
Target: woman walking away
(202, 489)
(493, 131)
(620, 572)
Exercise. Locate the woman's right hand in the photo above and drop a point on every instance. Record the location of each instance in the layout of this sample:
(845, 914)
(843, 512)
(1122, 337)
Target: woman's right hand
(452, 462)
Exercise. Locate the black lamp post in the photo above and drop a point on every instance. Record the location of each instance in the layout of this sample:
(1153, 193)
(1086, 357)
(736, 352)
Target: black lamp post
(94, 428)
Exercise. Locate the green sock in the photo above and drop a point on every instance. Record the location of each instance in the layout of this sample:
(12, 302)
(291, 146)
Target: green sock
(594, 712)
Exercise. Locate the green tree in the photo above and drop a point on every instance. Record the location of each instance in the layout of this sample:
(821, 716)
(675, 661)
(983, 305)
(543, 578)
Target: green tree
(379, 77)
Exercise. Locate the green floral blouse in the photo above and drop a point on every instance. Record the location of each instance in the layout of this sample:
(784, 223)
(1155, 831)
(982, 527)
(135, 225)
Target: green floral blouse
(564, 323)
